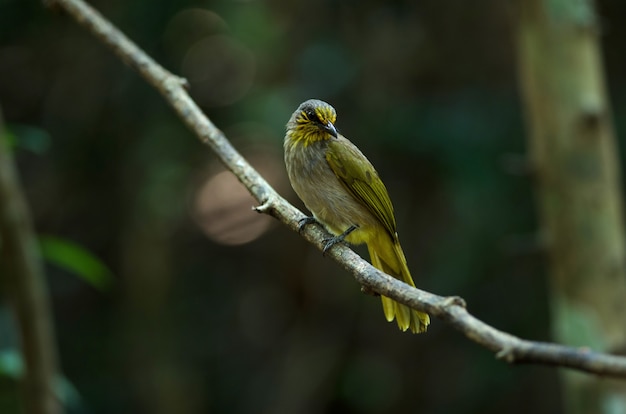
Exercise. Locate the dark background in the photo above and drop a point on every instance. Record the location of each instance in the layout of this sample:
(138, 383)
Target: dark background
(195, 304)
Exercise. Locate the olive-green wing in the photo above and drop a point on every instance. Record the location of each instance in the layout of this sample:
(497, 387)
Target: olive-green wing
(360, 178)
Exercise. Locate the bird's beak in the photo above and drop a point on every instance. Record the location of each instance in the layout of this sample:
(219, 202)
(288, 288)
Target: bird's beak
(330, 128)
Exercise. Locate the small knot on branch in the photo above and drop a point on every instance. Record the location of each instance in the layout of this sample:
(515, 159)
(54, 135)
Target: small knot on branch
(183, 82)
(368, 291)
(264, 208)
(454, 301)
(507, 354)
(173, 83)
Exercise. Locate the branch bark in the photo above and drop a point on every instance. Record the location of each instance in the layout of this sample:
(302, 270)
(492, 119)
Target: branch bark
(23, 277)
(449, 309)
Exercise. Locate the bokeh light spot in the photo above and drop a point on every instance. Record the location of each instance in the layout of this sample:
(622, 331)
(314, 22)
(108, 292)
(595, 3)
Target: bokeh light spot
(222, 206)
(223, 211)
(220, 69)
(188, 27)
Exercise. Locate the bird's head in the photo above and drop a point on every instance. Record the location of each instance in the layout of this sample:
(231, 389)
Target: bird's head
(314, 120)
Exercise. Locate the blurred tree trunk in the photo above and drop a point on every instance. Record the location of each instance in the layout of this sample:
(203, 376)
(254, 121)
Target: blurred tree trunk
(573, 149)
(23, 276)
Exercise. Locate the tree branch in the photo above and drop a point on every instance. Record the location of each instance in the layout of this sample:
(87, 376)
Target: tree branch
(449, 309)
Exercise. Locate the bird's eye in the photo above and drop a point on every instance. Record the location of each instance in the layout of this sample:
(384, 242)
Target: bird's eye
(312, 115)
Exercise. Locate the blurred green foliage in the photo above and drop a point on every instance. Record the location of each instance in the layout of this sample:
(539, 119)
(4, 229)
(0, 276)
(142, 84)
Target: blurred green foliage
(426, 89)
(11, 364)
(12, 368)
(76, 260)
(29, 138)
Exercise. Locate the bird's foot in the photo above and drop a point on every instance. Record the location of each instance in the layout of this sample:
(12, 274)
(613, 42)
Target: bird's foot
(328, 243)
(303, 222)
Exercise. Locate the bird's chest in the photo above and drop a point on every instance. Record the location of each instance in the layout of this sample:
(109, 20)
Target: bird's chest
(323, 193)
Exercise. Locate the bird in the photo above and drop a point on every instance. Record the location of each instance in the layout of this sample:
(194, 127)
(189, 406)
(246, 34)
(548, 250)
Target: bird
(344, 193)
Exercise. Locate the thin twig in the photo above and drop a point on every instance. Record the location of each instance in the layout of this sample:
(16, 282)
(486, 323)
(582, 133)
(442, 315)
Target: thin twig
(26, 290)
(449, 309)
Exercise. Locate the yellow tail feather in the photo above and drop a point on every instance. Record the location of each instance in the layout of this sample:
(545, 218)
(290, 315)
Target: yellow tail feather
(387, 255)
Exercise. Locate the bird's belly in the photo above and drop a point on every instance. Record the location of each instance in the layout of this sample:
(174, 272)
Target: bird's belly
(336, 209)
(323, 194)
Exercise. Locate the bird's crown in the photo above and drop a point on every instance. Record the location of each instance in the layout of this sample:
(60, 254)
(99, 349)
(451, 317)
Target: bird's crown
(315, 111)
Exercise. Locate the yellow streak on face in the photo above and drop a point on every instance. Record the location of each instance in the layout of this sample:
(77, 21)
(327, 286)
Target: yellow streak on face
(310, 130)
(326, 114)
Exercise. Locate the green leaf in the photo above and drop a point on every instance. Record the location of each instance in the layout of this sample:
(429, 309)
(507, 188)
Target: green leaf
(76, 259)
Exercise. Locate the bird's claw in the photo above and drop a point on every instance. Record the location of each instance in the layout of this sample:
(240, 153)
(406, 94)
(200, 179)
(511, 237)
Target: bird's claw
(330, 242)
(303, 222)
